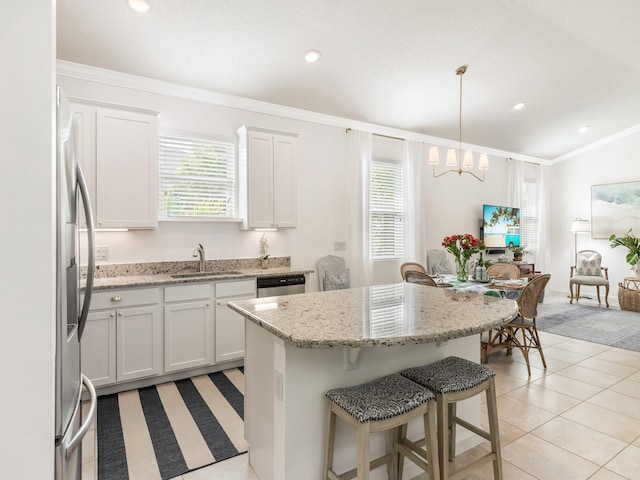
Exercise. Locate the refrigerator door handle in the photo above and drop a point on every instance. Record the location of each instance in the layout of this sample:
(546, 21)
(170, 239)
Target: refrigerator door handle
(84, 428)
(91, 263)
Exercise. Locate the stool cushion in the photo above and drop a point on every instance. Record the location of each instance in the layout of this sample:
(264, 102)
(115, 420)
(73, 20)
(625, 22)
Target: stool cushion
(453, 374)
(386, 397)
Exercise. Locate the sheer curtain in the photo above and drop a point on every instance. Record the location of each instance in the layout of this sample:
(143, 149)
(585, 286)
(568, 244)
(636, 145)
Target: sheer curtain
(519, 173)
(414, 236)
(359, 158)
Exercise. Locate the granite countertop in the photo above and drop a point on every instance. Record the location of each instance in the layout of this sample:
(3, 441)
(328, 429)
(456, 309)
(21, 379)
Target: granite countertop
(131, 275)
(383, 315)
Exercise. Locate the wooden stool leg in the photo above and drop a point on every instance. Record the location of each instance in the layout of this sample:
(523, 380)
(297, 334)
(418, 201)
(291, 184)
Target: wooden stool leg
(494, 431)
(453, 408)
(598, 290)
(401, 436)
(443, 436)
(431, 442)
(396, 457)
(362, 435)
(330, 436)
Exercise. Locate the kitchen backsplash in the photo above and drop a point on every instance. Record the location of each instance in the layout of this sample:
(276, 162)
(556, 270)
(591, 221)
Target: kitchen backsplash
(168, 268)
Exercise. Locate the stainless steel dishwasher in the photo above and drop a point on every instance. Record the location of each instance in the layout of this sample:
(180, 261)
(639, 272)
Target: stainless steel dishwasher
(281, 285)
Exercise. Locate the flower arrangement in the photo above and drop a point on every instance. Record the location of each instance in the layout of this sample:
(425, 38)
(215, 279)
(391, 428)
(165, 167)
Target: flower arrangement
(462, 247)
(264, 250)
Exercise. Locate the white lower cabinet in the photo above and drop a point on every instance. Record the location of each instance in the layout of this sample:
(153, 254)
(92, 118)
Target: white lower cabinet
(98, 348)
(146, 332)
(188, 327)
(229, 324)
(123, 337)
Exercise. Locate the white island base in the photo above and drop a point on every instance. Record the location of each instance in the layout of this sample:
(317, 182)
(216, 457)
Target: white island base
(285, 402)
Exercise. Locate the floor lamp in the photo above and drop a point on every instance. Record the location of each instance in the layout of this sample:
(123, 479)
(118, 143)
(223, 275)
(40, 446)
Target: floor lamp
(578, 226)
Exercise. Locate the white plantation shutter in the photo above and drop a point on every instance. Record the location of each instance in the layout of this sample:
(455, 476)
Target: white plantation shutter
(386, 210)
(197, 178)
(529, 216)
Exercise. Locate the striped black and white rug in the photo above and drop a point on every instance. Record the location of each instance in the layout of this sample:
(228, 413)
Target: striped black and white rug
(160, 432)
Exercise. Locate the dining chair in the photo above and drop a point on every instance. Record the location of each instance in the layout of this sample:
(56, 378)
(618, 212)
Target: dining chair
(438, 262)
(588, 270)
(522, 331)
(414, 266)
(332, 273)
(415, 276)
(503, 271)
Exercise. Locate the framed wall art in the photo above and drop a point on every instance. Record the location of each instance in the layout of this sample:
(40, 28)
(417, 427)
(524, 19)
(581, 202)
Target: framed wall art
(615, 208)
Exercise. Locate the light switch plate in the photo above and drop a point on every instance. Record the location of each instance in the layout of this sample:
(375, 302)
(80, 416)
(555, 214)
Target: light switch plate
(102, 252)
(339, 246)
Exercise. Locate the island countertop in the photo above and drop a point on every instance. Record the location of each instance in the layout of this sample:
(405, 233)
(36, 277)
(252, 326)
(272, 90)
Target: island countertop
(382, 315)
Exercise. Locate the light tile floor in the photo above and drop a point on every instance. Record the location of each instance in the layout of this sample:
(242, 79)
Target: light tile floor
(578, 419)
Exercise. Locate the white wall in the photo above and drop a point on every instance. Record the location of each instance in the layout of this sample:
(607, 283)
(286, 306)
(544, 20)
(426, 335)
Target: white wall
(454, 203)
(570, 184)
(27, 257)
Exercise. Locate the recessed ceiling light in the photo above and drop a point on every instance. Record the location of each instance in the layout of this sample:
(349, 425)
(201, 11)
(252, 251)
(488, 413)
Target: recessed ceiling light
(519, 106)
(311, 56)
(583, 129)
(139, 6)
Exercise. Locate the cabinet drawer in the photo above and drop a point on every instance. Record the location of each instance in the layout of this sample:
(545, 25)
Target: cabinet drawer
(124, 298)
(181, 293)
(233, 289)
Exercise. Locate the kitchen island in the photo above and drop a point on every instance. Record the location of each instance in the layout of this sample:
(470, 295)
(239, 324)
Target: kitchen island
(299, 346)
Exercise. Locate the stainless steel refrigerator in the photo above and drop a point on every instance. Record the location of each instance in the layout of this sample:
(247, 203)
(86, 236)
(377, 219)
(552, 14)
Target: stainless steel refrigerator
(71, 191)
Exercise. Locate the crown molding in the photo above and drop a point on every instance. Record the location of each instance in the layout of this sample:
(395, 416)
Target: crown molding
(597, 144)
(145, 84)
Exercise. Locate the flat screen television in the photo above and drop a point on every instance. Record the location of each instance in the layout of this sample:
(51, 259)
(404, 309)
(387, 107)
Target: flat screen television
(500, 226)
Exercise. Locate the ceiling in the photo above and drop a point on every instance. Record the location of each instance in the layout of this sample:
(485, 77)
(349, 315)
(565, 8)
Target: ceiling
(390, 63)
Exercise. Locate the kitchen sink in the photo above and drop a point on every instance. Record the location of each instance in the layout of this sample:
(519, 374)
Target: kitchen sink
(206, 274)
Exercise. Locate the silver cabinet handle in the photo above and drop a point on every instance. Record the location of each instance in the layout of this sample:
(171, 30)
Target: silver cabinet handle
(111, 315)
(207, 304)
(116, 298)
(119, 314)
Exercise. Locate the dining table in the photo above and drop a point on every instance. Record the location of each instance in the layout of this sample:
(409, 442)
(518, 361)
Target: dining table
(505, 288)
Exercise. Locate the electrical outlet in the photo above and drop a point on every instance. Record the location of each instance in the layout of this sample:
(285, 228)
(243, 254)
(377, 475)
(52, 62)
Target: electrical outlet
(277, 384)
(102, 252)
(339, 246)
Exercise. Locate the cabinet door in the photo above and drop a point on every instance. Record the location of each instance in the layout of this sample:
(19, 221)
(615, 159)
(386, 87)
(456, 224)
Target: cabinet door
(139, 343)
(126, 169)
(188, 335)
(85, 124)
(229, 331)
(284, 182)
(98, 348)
(260, 180)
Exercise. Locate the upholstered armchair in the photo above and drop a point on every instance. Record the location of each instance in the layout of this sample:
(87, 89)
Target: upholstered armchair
(588, 270)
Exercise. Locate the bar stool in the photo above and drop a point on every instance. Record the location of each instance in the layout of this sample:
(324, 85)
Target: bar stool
(452, 380)
(384, 404)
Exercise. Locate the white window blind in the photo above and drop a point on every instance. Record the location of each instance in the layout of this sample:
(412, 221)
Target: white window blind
(386, 210)
(197, 178)
(529, 220)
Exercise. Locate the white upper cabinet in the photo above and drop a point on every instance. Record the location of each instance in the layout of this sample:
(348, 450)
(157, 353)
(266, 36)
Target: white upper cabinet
(267, 167)
(126, 169)
(118, 152)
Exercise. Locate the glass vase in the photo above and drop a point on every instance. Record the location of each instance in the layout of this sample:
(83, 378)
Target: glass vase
(461, 270)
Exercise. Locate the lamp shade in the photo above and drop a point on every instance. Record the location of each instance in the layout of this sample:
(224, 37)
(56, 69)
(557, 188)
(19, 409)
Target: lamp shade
(483, 162)
(451, 158)
(434, 157)
(580, 226)
(467, 159)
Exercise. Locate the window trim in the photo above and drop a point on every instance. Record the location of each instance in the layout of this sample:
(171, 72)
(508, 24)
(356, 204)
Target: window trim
(399, 212)
(202, 137)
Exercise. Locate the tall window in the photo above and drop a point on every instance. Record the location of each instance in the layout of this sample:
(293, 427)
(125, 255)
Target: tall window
(197, 178)
(529, 215)
(387, 209)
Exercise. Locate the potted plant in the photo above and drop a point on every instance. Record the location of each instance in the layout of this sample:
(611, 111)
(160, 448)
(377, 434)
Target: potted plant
(632, 244)
(518, 251)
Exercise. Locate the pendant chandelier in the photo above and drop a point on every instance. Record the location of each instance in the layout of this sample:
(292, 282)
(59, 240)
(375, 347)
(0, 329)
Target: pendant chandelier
(459, 163)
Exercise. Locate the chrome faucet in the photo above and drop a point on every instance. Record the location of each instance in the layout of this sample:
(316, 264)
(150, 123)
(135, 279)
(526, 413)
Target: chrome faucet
(199, 252)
